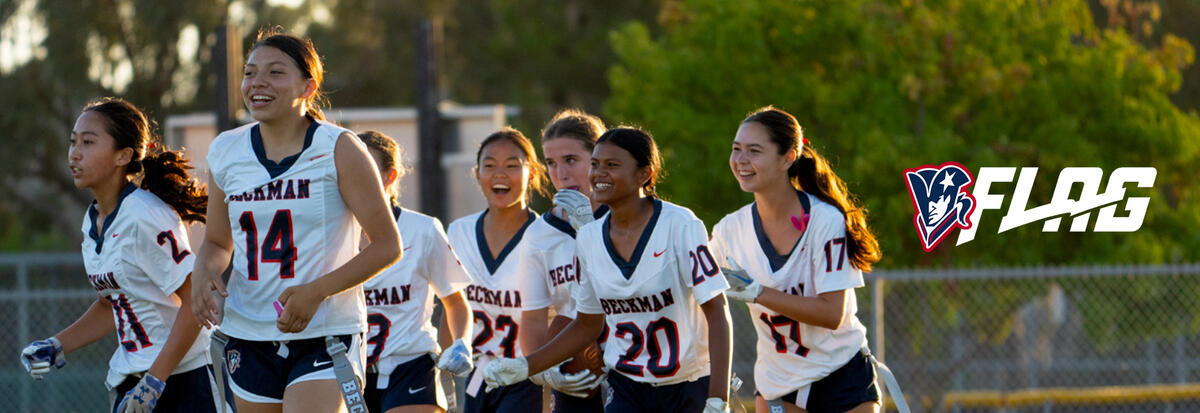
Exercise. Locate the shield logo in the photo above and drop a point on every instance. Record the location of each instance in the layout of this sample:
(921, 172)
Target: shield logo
(941, 200)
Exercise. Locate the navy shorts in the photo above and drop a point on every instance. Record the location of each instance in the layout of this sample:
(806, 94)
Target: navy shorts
(189, 392)
(262, 370)
(514, 398)
(411, 383)
(569, 404)
(844, 389)
(628, 396)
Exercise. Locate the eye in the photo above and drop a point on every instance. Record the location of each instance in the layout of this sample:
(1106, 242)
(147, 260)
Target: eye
(276, 72)
(570, 161)
(550, 163)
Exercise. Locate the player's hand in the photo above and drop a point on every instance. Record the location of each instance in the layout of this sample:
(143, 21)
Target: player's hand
(299, 302)
(40, 355)
(577, 206)
(503, 372)
(715, 405)
(576, 384)
(143, 397)
(208, 300)
(456, 359)
(741, 286)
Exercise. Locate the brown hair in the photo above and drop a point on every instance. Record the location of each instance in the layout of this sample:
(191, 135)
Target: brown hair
(164, 172)
(575, 124)
(302, 51)
(813, 174)
(537, 182)
(390, 156)
(641, 145)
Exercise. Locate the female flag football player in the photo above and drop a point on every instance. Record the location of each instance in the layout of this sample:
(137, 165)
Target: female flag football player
(287, 198)
(795, 256)
(402, 374)
(648, 274)
(137, 256)
(487, 243)
(567, 144)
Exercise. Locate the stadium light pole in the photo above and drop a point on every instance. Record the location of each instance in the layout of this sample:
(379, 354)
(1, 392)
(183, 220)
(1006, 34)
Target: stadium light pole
(429, 122)
(227, 58)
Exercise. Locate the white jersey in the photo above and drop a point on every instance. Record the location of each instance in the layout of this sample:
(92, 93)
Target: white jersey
(495, 290)
(793, 355)
(657, 332)
(550, 251)
(290, 226)
(136, 259)
(399, 300)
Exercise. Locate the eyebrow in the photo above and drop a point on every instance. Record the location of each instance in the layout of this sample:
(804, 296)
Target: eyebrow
(86, 132)
(273, 62)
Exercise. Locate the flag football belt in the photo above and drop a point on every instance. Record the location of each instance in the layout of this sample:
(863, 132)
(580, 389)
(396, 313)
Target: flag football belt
(343, 371)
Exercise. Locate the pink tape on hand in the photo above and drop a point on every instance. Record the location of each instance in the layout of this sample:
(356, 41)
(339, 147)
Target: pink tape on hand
(278, 309)
(800, 223)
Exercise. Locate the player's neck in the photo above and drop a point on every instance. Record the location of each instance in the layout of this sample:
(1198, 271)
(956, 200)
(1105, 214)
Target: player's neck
(512, 215)
(107, 195)
(631, 211)
(283, 131)
(776, 203)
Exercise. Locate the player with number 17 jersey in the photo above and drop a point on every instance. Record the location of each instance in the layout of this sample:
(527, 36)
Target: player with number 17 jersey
(284, 218)
(658, 333)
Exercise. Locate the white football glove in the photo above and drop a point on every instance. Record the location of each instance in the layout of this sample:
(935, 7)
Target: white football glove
(143, 397)
(741, 286)
(503, 372)
(577, 206)
(576, 384)
(456, 359)
(715, 405)
(39, 355)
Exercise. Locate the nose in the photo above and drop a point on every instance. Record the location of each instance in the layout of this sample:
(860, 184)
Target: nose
(73, 154)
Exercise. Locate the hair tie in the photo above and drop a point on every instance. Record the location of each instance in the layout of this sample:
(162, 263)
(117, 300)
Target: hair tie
(805, 140)
(155, 145)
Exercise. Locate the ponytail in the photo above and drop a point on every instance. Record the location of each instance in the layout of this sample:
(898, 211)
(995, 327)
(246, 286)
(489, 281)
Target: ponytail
(165, 175)
(812, 173)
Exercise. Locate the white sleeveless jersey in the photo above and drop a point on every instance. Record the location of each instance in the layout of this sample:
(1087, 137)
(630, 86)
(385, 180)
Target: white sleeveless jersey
(136, 261)
(495, 291)
(657, 331)
(290, 227)
(400, 300)
(793, 355)
(550, 262)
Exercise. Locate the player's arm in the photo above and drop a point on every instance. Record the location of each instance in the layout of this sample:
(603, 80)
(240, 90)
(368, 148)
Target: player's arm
(458, 316)
(362, 191)
(716, 312)
(211, 259)
(826, 310)
(578, 335)
(534, 327)
(95, 324)
(183, 335)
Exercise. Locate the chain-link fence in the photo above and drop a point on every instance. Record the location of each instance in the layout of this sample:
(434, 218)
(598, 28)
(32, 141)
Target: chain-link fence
(1060, 339)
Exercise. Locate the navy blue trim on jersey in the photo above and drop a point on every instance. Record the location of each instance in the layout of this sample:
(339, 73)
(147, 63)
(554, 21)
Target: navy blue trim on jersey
(627, 267)
(396, 210)
(599, 212)
(776, 259)
(98, 236)
(559, 223)
(273, 168)
(494, 263)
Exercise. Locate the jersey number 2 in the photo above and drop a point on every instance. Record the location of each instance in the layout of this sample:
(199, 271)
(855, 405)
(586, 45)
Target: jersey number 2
(625, 363)
(278, 244)
(508, 344)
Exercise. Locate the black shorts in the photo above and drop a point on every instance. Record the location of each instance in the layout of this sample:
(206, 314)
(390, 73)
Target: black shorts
(192, 391)
(843, 389)
(260, 374)
(411, 383)
(629, 396)
(522, 397)
(569, 404)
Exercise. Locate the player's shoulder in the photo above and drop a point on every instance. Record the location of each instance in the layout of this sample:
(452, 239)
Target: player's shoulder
(738, 219)
(465, 223)
(328, 131)
(419, 223)
(824, 215)
(145, 208)
(230, 137)
(676, 215)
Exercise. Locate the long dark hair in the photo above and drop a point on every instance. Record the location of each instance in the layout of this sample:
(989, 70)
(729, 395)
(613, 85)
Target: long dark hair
(164, 173)
(811, 173)
(302, 51)
(537, 180)
(641, 145)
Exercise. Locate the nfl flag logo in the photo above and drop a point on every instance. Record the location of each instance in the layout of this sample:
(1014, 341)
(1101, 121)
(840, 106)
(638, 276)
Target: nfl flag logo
(941, 200)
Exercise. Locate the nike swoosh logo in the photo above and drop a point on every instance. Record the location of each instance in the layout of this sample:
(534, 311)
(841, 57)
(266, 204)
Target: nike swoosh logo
(660, 253)
(406, 248)
(322, 364)
(416, 390)
(317, 157)
(115, 235)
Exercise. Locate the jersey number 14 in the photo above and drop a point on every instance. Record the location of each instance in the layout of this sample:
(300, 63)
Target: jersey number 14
(278, 245)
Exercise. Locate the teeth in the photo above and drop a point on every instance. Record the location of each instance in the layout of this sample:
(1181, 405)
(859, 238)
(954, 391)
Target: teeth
(745, 173)
(259, 98)
(602, 185)
(500, 187)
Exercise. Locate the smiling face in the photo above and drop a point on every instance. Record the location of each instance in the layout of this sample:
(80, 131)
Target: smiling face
(274, 86)
(615, 174)
(567, 161)
(755, 159)
(93, 156)
(502, 174)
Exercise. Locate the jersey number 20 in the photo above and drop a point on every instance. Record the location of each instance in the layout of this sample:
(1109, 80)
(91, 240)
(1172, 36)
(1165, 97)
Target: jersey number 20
(625, 363)
(278, 246)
